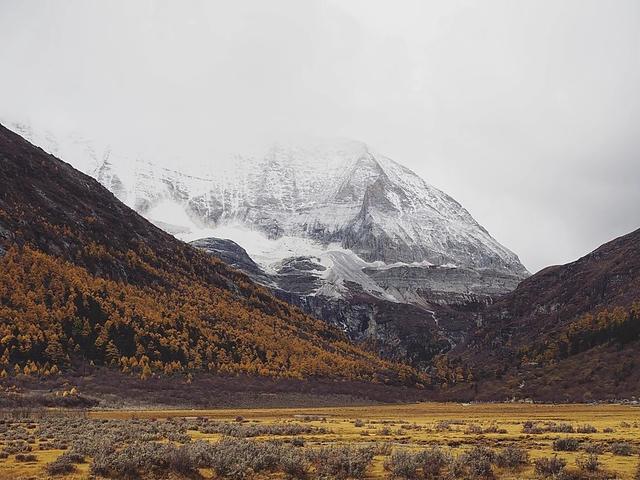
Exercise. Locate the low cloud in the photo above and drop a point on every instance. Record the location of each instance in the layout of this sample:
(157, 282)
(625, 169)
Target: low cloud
(528, 113)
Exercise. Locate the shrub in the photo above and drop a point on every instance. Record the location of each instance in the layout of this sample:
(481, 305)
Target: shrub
(358, 423)
(239, 458)
(402, 464)
(586, 429)
(26, 457)
(314, 418)
(443, 425)
(143, 457)
(293, 464)
(17, 446)
(432, 461)
(493, 428)
(477, 429)
(341, 462)
(565, 445)
(478, 462)
(560, 428)
(621, 448)
(233, 458)
(245, 430)
(473, 429)
(202, 453)
(119, 463)
(179, 460)
(266, 456)
(60, 466)
(594, 448)
(590, 463)
(530, 427)
(578, 475)
(411, 426)
(72, 457)
(178, 437)
(92, 446)
(512, 457)
(457, 468)
(549, 467)
(382, 448)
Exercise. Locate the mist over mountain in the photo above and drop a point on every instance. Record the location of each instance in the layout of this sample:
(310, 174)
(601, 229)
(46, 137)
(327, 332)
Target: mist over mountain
(93, 281)
(320, 239)
(331, 225)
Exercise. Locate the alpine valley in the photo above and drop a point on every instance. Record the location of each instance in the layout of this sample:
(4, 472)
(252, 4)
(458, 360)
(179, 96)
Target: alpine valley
(345, 233)
(290, 240)
(90, 288)
(398, 273)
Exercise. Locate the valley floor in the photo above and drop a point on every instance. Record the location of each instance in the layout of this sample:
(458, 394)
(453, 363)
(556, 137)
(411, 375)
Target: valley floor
(611, 431)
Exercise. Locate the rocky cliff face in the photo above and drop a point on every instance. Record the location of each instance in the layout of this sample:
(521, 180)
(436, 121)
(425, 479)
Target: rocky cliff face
(399, 330)
(348, 234)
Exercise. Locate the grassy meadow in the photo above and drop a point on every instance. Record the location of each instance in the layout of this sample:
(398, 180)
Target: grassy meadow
(504, 441)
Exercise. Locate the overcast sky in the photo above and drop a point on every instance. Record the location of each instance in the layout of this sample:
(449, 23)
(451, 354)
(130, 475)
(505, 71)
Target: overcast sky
(526, 112)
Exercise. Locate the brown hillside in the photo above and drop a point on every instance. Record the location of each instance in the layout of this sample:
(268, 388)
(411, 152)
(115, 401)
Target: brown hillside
(568, 332)
(82, 276)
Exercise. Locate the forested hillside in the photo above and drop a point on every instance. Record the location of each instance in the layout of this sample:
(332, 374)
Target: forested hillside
(85, 278)
(570, 332)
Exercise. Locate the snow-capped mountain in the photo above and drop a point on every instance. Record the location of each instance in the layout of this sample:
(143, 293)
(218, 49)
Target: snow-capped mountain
(333, 193)
(326, 220)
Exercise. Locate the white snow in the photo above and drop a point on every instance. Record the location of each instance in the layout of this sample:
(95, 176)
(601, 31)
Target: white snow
(308, 192)
(340, 264)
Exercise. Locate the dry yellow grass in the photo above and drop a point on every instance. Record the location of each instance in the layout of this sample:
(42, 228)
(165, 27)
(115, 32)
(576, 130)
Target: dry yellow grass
(414, 426)
(10, 469)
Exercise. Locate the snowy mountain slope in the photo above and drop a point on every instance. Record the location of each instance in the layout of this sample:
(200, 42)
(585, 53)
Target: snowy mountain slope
(345, 233)
(333, 193)
(324, 199)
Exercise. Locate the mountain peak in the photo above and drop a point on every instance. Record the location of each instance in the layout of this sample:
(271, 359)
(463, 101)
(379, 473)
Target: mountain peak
(336, 191)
